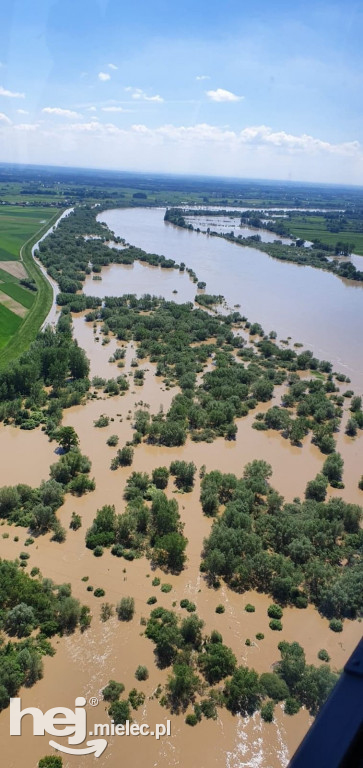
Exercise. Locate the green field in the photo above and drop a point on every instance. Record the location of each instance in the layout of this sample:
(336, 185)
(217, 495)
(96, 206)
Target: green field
(9, 324)
(6, 277)
(20, 294)
(20, 228)
(17, 224)
(311, 227)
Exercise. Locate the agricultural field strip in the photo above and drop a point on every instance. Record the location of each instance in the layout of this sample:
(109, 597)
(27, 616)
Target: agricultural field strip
(16, 300)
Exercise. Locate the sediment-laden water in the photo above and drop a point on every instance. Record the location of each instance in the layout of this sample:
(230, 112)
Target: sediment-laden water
(84, 663)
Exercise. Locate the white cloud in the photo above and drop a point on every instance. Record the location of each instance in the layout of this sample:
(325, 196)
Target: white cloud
(60, 112)
(22, 111)
(27, 127)
(139, 95)
(103, 76)
(264, 135)
(202, 77)
(221, 95)
(203, 134)
(97, 128)
(91, 109)
(254, 151)
(114, 109)
(11, 94)
(112, 66)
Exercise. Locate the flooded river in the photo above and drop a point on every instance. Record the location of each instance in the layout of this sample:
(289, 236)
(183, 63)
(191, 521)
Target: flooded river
(315, 307)
(84, 664)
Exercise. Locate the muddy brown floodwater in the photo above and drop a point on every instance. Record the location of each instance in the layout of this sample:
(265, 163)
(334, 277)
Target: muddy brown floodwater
(83, 664)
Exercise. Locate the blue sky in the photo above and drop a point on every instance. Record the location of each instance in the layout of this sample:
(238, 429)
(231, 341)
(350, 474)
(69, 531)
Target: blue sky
(263, 89)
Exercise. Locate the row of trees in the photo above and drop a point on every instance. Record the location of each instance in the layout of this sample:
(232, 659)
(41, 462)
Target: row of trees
(314, 256)
(78, 246)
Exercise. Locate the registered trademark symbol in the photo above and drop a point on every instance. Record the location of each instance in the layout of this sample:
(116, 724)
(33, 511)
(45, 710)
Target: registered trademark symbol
(93, 701)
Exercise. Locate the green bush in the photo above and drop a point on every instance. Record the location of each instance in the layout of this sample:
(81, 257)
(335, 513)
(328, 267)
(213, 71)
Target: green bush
(120, 712)
(98, 551)
(267, 711)
(106, 611)
(160, 477)
(273, 686)
(192, 719)
(190, 607)
(126, 609)
(274, 611)
(142, 673)
(220, 608)
(336, 625)
(275, 624)
(117, 550)
(102, 421)
(292, 706)
(51, 761)
(125, 456)
(323, 655)
(209, 709)
(113, 690)
(250, 608)
(76, 522)
(112, 440)
(136, 698)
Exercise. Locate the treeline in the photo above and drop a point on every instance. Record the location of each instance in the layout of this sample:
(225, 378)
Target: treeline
(201, 662)
(54, 361)
(31, 610)
(77, 247)
(150, 525)
(315, 256)
(301, 552)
